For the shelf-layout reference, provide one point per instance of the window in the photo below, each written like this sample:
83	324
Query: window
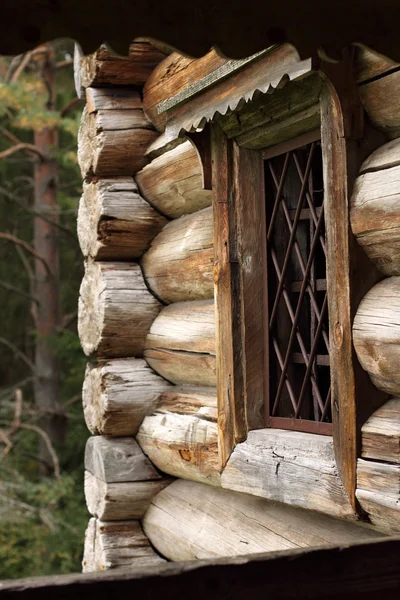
298	387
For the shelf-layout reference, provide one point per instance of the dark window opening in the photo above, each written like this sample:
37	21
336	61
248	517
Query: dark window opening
298	359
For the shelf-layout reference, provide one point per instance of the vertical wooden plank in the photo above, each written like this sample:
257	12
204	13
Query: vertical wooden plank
230	382
248	167
334	149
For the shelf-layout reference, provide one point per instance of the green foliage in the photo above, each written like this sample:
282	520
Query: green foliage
42	519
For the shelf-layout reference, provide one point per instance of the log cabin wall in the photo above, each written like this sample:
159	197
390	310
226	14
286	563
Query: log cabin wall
147	323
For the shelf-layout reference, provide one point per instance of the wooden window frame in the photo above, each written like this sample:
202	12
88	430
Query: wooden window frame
240	274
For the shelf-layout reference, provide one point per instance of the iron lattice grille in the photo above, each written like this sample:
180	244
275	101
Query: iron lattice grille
299	368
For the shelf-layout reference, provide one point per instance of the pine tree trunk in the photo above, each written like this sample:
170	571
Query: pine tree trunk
46	243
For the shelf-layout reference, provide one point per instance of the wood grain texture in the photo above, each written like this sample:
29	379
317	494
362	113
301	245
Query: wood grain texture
172	182
370	64
116	544
289	466
112	143
118	394
103	67
112	99
379	477
189	521
383	511
376	334
172	75
181	437
375	208
179	264
161	145
380	435
181	343
114	221
115	310
380	100
117	460
120	501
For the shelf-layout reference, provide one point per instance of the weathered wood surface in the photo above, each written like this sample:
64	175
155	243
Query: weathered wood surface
379	477
380	100
265	72
120	501
179	264
118	394
117	460
318	573
181	437
116	544
275	118
100	99
188	521
369	64
380	435
112	143
115	310
103	67
375	208
376	334
161	145
383	511
181	343
114	221
174	74
289	466
172	183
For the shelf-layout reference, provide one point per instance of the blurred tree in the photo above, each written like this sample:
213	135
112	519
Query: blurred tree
41	365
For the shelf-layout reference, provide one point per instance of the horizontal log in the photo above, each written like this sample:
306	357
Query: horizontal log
379	477
103	67
120	501
375	208
188	521
380	100
115	310
289	466
116	544
181	437
190	400
118	460
383	511
161	145
376	334
112	99
112	143
172	75
118	394
181	343
114	221
173	182
179	264
369	64
380	435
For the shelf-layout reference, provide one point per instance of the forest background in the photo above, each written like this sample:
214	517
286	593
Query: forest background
42	431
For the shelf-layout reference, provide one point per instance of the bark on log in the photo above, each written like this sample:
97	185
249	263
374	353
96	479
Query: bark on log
118	394
181	343
375	208
380	435
105	68
289	466
118	460
114	222
383	511
115	310
113	143
188	521
179	264
120	501
380	100
376	334
122	544
379	477
175	73
181	438
173	182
